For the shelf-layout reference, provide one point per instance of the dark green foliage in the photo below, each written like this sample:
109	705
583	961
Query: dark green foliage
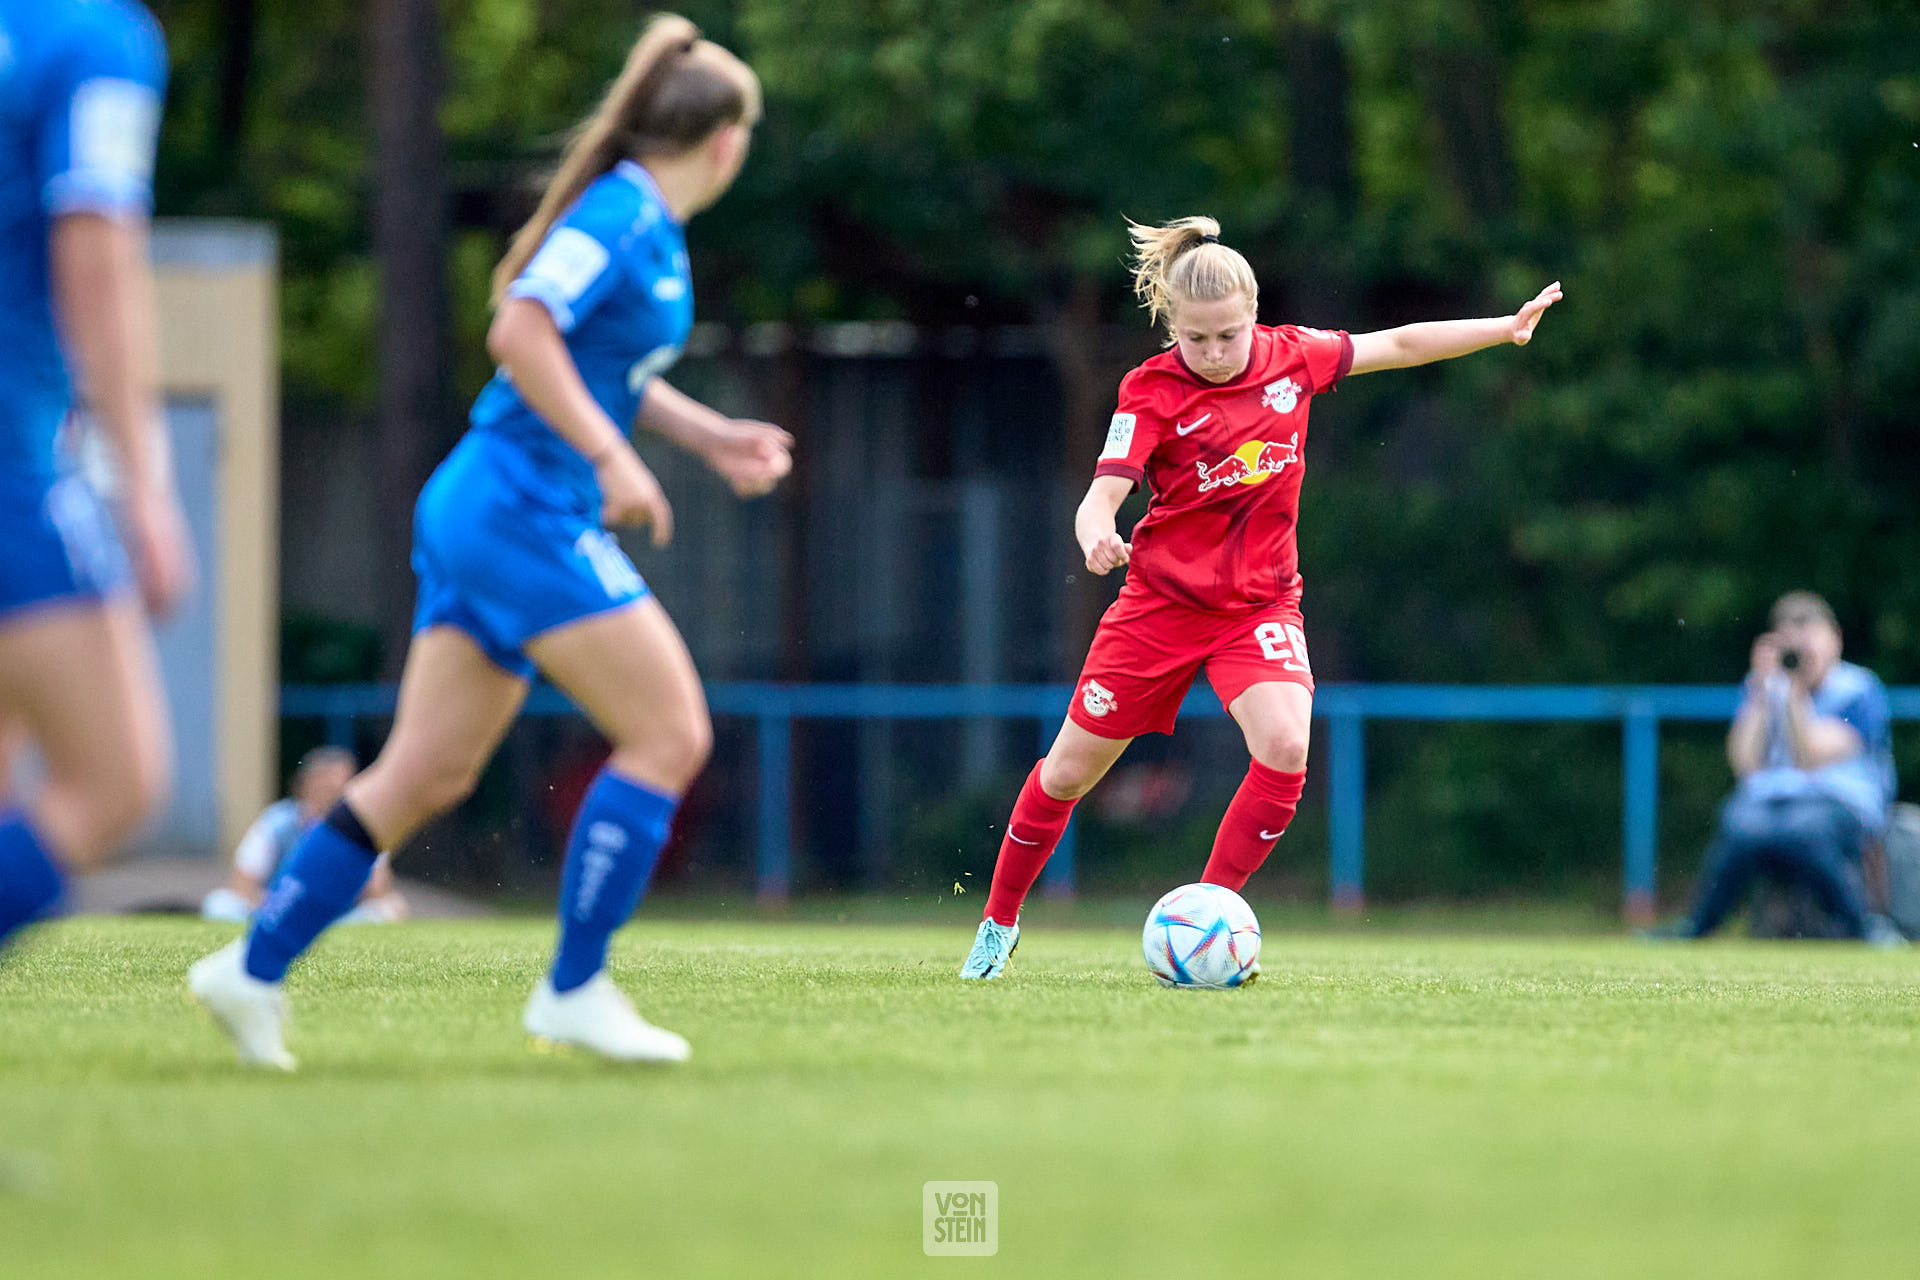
1719	410
327	651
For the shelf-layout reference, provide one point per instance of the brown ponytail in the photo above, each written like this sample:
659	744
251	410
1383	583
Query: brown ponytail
673	93
1184	261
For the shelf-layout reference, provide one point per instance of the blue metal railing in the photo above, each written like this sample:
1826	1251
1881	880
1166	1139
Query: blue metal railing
1640	709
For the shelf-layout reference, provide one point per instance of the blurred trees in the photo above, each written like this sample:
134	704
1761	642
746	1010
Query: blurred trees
1731	194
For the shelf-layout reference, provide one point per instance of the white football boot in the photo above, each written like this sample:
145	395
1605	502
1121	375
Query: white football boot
252	1013
598	1016
993	946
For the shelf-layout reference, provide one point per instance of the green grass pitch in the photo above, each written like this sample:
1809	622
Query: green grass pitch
1377	1105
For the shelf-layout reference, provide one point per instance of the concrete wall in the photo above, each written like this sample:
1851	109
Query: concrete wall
217	285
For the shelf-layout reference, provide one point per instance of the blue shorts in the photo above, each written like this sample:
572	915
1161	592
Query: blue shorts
59	544
503	567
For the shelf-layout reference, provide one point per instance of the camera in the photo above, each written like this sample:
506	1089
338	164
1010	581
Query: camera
1789	659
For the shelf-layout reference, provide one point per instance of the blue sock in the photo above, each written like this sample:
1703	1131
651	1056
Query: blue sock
616	840
320	882
31	881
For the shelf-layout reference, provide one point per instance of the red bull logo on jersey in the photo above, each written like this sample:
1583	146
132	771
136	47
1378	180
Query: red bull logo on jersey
1254	462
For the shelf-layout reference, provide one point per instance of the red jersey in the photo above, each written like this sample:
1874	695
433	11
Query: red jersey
1224	462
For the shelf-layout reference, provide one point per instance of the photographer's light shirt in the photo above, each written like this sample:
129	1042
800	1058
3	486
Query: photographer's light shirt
1865	783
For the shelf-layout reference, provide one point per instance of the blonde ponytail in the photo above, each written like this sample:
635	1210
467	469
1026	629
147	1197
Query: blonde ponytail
673	93
1184	261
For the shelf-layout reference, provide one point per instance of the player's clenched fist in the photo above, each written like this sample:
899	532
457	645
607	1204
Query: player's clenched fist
629	494
1107	553
752	457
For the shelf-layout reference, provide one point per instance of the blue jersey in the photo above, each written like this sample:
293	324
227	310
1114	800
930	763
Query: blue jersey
1866	783
613	272
80	89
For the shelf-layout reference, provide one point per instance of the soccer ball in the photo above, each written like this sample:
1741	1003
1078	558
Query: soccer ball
1202	936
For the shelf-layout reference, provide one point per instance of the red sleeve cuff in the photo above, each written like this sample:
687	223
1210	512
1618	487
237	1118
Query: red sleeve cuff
1115	467
1346	361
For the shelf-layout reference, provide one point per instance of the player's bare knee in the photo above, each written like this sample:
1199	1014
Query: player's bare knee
149	783
121	799
451	786
697	742
671	754
1284	751
430	788
85	825
1065	779
97	809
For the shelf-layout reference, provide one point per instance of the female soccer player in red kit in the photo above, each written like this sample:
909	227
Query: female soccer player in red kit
1217	427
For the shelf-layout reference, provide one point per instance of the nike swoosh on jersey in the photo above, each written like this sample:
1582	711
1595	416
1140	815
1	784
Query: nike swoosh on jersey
1273	835
1191	427
1017	840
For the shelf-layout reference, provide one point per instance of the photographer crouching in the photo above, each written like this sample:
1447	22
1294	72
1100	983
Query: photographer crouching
1811	747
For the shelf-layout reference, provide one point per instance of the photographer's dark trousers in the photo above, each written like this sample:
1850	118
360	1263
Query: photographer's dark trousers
1810	838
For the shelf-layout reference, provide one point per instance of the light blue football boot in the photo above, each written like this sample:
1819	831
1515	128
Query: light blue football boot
992	948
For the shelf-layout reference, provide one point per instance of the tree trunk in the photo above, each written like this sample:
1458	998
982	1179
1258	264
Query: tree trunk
238	19
1086	395
1815	269
1319	93
1461	86
409	238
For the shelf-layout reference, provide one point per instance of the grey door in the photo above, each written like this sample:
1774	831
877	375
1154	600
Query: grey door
188	641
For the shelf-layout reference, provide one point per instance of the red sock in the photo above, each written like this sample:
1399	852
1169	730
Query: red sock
1261	810
1036	826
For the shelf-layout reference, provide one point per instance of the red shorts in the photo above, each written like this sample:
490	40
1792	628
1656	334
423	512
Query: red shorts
1148	650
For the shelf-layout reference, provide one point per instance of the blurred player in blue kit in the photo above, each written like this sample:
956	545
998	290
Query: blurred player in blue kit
517	572
80	93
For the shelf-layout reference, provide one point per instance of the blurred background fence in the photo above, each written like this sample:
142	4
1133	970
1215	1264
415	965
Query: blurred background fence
790	818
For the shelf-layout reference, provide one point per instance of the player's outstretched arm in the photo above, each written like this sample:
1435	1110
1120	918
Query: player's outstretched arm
750	456
1093	525
1415	344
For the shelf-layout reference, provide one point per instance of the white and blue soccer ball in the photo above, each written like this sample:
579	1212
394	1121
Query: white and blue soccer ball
1202	936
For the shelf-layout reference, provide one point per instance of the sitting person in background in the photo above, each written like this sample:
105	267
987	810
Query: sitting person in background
318	781
1812	749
